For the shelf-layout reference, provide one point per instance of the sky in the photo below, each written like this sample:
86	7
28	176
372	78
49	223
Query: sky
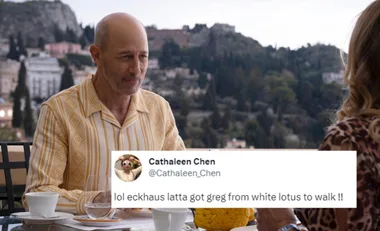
286	23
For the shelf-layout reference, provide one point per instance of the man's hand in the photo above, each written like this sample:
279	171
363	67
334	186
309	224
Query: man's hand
274	219
133	159
103	197
128	210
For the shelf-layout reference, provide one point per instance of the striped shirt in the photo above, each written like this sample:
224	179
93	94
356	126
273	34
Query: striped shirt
76	133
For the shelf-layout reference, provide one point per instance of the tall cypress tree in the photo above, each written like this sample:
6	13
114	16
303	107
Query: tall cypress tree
28	115
59	35
13	53
22	75
21	45
70	36
226	119
83	41
67	79
17	119
209	102
41	43
17	115
22	112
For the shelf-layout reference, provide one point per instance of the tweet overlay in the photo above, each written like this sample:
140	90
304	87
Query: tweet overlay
233	179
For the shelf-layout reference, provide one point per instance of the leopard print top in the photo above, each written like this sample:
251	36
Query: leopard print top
366	217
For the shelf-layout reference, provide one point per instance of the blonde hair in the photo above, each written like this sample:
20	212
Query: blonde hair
362	75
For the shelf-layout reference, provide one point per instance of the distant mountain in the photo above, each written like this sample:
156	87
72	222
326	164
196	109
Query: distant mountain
218	39
36	19
54	20
222	39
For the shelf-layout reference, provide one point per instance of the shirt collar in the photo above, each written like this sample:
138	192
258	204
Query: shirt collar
92	104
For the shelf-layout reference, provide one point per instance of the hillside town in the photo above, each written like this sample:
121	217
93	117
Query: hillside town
226	90
44	72
44	75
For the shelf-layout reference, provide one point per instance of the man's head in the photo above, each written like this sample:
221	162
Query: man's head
120	52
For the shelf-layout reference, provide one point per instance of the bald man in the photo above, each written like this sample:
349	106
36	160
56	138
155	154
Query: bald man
79	127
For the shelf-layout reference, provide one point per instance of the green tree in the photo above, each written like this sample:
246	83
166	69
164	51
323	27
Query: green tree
70	36
83	41
256	86
89	33
331	95
28	118
279	134
289	78
323	120
305	96
181	122
210	136
170	55
8	134
41	43
184	104
266	121
273	79
226	120
22	110
241	100
282	98
202	80
254	135
79	60
20	45
209	101
59	35
29	41
17	115
215	119
17	119
13	53
212	43
67	79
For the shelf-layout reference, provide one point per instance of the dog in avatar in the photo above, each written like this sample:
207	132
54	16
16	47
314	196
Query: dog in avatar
131	168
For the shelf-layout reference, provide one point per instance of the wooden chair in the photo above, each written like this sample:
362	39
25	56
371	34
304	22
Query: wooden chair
10	192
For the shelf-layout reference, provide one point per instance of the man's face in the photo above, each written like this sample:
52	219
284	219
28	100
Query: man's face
124	61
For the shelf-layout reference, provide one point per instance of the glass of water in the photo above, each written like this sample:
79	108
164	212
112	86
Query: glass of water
100	206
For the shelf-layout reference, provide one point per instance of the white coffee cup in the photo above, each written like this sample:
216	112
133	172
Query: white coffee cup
42	204
169	219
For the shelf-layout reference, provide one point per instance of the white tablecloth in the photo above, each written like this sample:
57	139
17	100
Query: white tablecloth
134	222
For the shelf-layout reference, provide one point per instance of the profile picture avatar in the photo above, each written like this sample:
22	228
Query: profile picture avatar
128	167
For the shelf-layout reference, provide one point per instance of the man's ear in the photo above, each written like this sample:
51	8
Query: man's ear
95	53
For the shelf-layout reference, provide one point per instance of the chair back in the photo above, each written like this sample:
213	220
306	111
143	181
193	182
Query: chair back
15	181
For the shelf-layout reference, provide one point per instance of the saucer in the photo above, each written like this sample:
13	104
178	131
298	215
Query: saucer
87	221
246	228
25	216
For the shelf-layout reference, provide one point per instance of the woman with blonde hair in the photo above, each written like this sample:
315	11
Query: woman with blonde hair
356	128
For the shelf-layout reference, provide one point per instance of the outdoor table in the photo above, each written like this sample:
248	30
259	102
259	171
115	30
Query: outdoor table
11	224
136	222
